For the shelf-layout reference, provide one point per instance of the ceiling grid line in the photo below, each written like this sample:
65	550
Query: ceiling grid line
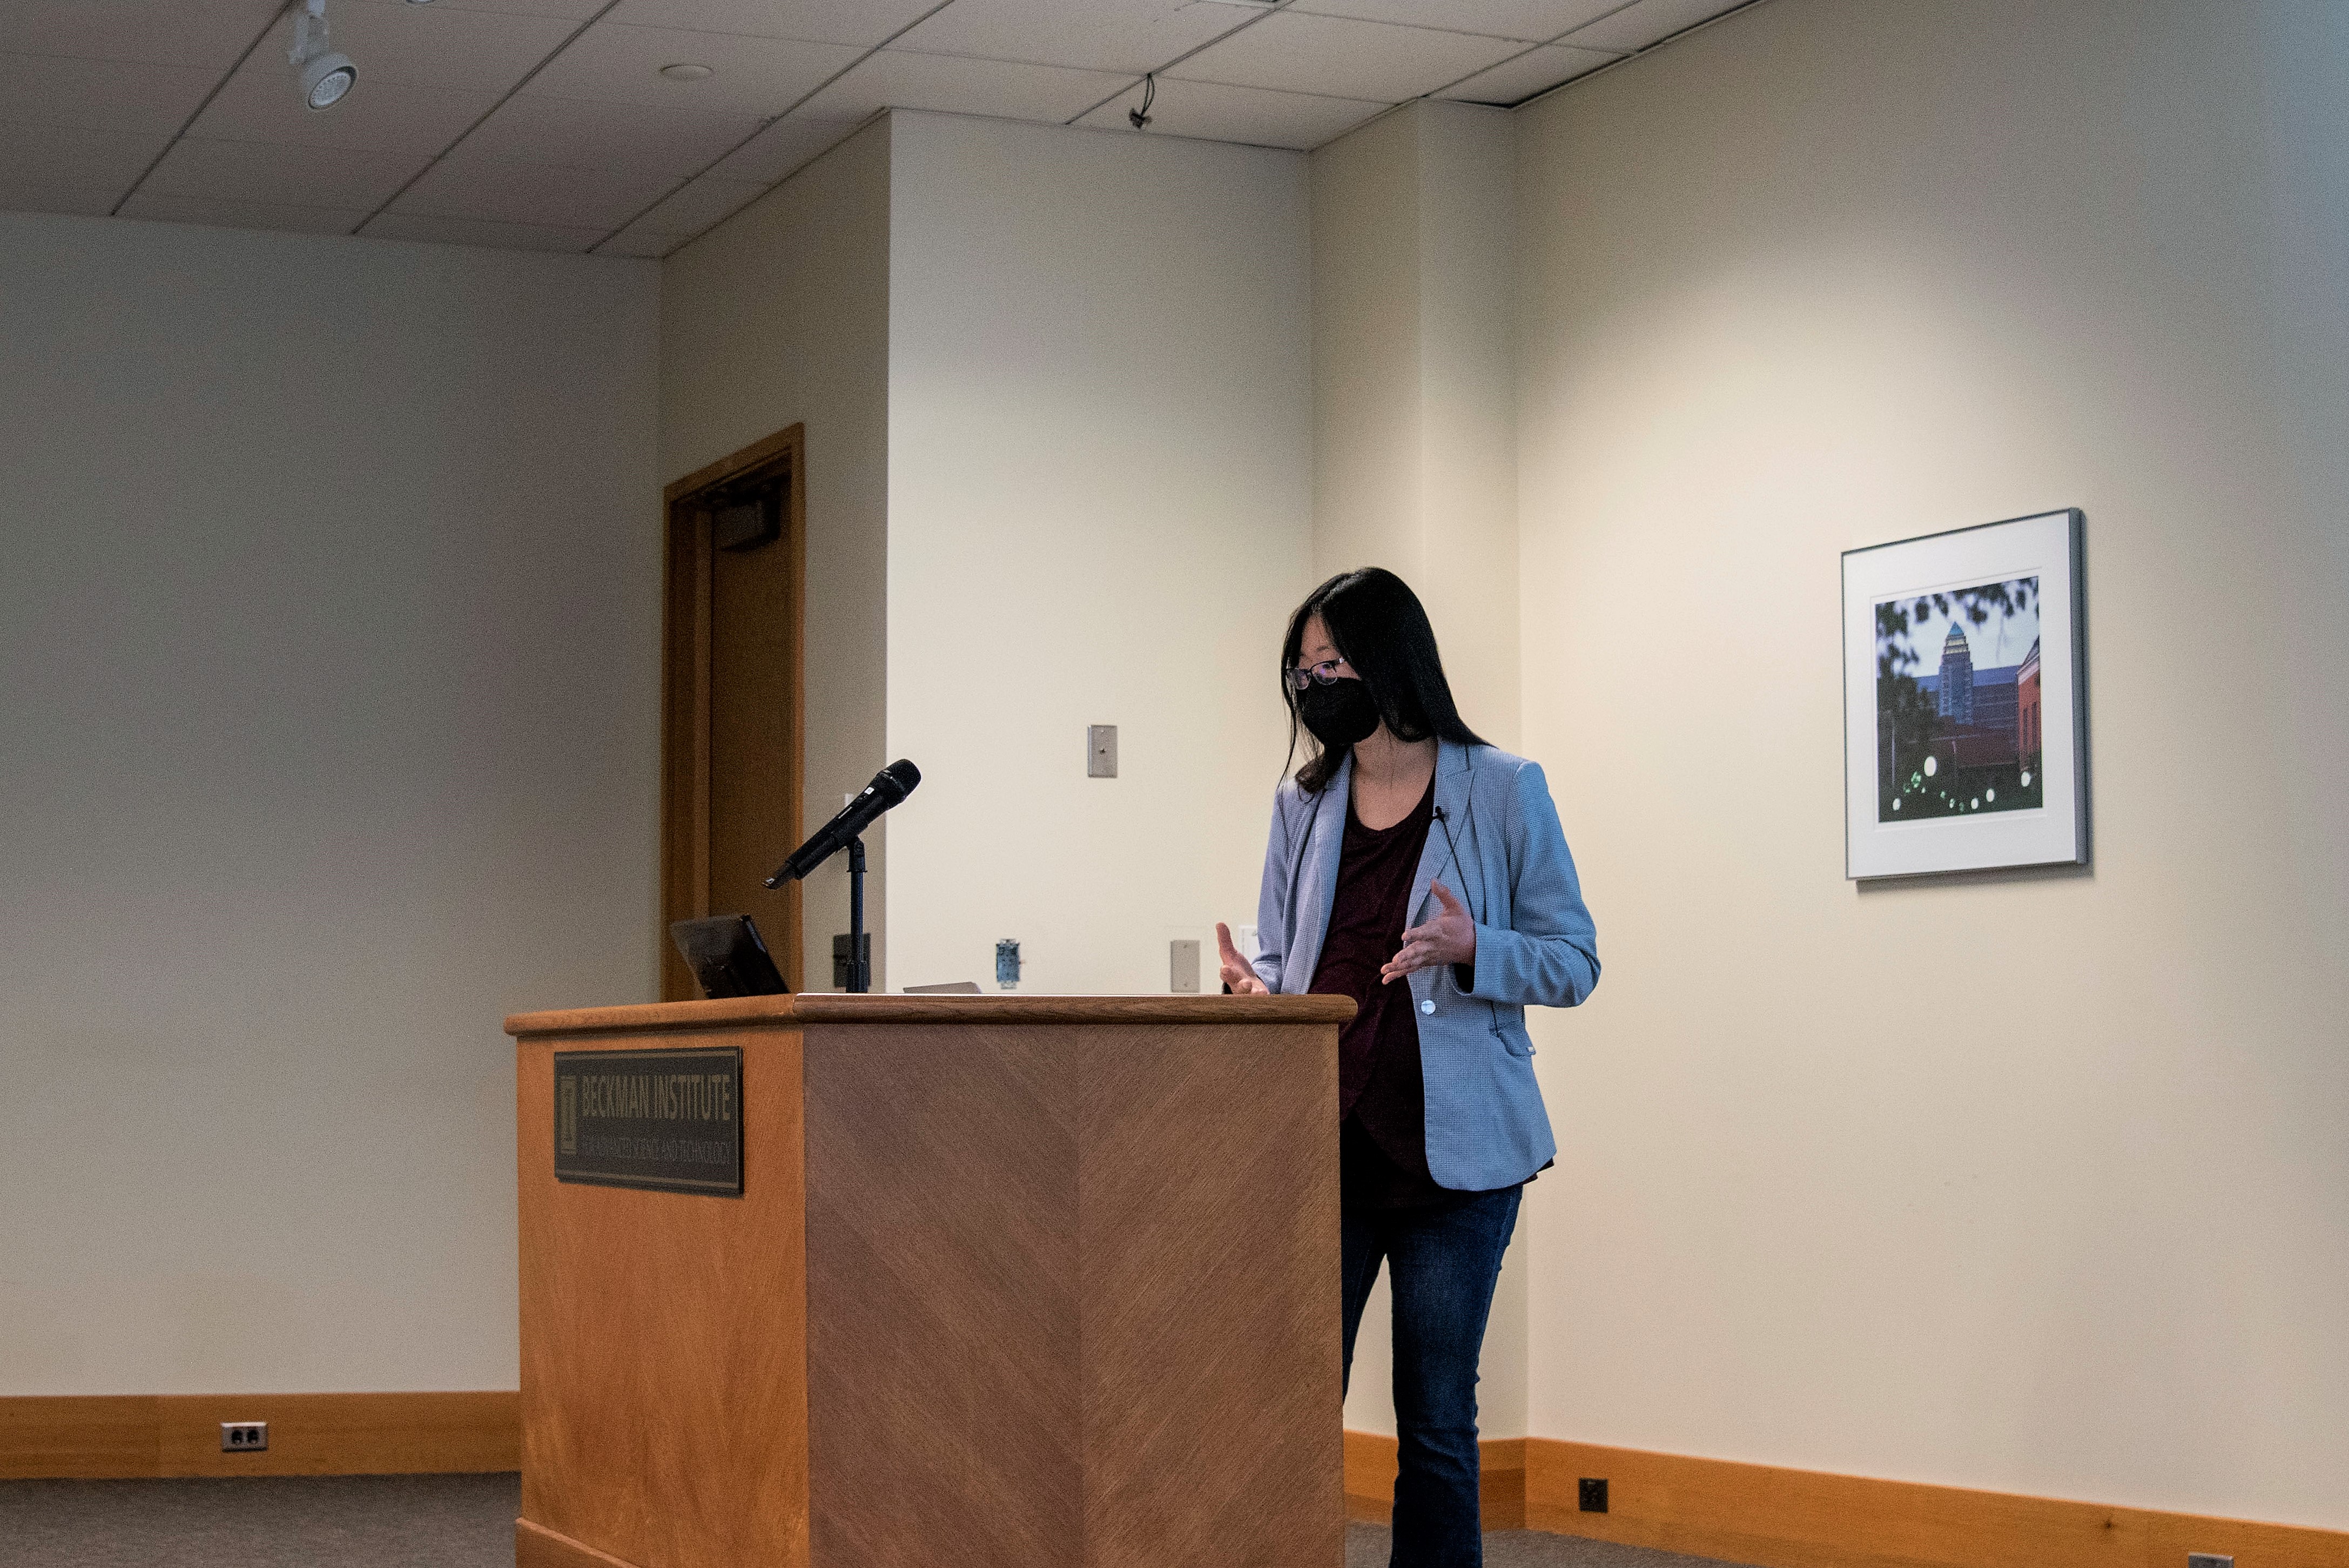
785	113
193	115
1530	46
1170	65
459	140
1696	27
1540	44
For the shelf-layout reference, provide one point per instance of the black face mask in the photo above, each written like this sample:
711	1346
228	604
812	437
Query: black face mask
1340	714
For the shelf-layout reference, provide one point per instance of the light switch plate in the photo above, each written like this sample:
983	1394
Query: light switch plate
1101	752
1182	966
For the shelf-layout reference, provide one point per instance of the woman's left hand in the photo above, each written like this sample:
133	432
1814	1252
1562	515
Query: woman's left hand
1449	938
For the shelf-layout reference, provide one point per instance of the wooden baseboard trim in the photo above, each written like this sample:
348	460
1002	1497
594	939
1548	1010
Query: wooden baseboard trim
1778	1518
536	1546
102	1436
1761	1514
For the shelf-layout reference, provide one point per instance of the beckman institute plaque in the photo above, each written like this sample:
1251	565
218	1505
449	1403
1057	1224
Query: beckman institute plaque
669	1120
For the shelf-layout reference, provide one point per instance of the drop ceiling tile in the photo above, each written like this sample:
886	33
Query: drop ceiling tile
574	10
703	204
861	22
210	36
288	176
31	196
612	64
434	46
1128	36
101	94
635	239
225	213
1213	112
480	232
1536	70
1647	22
1531	21
537	129
60	155
467	185
261	103
784	147
1341	57
950	84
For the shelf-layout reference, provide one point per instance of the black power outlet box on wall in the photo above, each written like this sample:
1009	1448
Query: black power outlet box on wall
1594	1494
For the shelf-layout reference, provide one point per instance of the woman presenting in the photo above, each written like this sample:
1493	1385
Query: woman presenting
1425	874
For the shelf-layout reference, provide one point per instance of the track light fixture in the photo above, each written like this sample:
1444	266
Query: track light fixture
324	75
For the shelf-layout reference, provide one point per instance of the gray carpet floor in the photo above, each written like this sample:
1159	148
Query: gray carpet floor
435	1522
1367	1546
274	1522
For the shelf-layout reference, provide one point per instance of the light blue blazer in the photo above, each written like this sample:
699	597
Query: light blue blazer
1497	846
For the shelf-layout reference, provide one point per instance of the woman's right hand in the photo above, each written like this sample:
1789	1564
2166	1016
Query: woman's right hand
1239	975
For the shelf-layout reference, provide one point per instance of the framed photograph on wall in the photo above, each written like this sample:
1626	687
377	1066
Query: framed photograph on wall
1965	714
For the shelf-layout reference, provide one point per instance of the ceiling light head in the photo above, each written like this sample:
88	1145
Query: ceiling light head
326	79
325	76
687	71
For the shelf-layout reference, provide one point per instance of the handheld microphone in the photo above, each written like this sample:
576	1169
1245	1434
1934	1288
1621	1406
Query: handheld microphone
889	787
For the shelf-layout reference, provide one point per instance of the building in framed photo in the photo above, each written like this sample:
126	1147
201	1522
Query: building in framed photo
1948	723
1947	698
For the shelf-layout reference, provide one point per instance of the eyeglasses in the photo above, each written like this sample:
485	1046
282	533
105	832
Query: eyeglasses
1323	673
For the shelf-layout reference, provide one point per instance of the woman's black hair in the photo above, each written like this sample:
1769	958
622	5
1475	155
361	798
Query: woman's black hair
1380	628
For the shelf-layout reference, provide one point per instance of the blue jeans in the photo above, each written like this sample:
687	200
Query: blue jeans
1442	1264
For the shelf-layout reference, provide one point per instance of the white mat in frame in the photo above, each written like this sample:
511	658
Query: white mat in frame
1899	819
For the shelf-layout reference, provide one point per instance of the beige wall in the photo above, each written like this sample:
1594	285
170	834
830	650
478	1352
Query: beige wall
780	317
1366	350
1055	385
1415	469
1413	380
1100	471
2030	1182
328	632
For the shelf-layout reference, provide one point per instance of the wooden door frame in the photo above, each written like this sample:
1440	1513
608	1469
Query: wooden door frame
687	568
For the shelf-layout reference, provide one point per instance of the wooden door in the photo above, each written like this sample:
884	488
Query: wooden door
731	705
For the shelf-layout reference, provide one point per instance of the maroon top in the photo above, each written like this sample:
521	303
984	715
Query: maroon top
1382	1139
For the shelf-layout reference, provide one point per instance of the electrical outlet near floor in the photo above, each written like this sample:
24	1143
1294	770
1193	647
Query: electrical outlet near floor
1594	1494
243	1436
2208	1559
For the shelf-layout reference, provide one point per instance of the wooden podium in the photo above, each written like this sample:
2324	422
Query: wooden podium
1012	1282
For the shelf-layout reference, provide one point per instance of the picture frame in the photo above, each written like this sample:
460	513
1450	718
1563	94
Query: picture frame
1965	700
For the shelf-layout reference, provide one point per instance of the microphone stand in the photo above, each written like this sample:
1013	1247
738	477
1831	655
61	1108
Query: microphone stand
860	969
